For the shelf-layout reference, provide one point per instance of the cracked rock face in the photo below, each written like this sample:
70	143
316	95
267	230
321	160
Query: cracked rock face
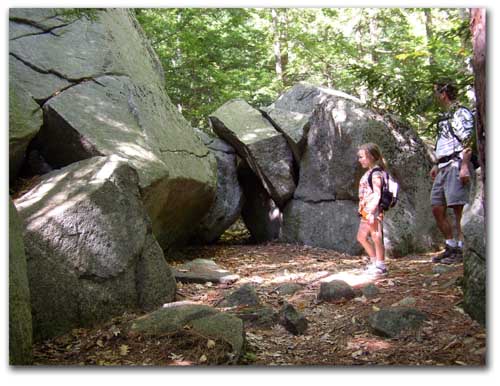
99	85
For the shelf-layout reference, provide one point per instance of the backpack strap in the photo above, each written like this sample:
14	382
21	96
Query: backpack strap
377	169
455	109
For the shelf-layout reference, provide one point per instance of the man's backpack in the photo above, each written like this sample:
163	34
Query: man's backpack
474	158
390	189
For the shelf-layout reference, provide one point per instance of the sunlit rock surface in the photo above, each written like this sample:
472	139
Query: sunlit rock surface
91	254
100	86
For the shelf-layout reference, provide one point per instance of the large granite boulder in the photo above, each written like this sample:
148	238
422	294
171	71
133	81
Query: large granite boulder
474	230
259	144
323	211
91	253
100	86
229	196
20	331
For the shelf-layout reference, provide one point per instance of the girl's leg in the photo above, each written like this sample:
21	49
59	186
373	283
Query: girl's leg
377	235
363	232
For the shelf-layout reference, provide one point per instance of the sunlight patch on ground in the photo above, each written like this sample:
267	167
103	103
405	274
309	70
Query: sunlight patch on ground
368	344
353	278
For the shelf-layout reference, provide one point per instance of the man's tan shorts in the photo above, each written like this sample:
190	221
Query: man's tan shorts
447	189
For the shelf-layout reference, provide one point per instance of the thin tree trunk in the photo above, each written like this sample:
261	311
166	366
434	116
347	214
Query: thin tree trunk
284	45
429	31
478	30
277	44
374	33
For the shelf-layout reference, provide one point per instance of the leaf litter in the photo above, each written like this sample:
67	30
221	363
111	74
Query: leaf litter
338	334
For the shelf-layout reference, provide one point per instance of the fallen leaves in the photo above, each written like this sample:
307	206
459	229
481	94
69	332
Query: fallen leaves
124	350
338	334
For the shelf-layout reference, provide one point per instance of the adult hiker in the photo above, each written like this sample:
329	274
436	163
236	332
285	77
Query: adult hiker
451	174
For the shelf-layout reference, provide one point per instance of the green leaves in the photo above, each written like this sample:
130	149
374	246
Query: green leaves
388	56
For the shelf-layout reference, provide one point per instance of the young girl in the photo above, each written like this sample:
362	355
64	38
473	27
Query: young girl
369	156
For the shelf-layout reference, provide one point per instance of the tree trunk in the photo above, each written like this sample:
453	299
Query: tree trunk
430	34
478	30
284	45
277	44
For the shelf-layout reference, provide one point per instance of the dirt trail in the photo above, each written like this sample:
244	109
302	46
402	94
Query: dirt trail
338	334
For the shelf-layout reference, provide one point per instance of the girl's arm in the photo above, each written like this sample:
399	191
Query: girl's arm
374	199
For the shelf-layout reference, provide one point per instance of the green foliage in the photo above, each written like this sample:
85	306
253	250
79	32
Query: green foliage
389	57
210	56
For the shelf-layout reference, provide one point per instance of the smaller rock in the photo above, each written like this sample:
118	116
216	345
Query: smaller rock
243	296
200	319
336	291
370	291
260	316
288	288
292	320
441	268
408	301
392	322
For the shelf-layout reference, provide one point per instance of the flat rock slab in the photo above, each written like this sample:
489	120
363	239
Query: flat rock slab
202	271
200	319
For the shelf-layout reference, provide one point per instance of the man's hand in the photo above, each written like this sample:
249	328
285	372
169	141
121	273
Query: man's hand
464	173
466	155
434	172
464	167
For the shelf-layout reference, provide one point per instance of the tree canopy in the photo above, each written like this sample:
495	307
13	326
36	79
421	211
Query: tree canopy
388	57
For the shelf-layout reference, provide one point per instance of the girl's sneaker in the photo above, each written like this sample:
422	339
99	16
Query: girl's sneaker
377	270
369	267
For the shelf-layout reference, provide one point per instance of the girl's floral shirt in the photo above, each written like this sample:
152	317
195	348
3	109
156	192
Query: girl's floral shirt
368	198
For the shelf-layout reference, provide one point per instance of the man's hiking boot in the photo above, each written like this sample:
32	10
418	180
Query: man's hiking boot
448	252
456	258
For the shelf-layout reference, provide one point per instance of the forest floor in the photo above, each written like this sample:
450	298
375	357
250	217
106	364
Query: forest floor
337	334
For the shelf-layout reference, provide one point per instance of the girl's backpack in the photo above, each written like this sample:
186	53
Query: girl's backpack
390	189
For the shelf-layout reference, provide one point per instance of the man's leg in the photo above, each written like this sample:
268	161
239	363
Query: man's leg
458	210
457	255
443	223
457	195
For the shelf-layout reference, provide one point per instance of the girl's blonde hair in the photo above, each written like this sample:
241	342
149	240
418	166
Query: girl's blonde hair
375	153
